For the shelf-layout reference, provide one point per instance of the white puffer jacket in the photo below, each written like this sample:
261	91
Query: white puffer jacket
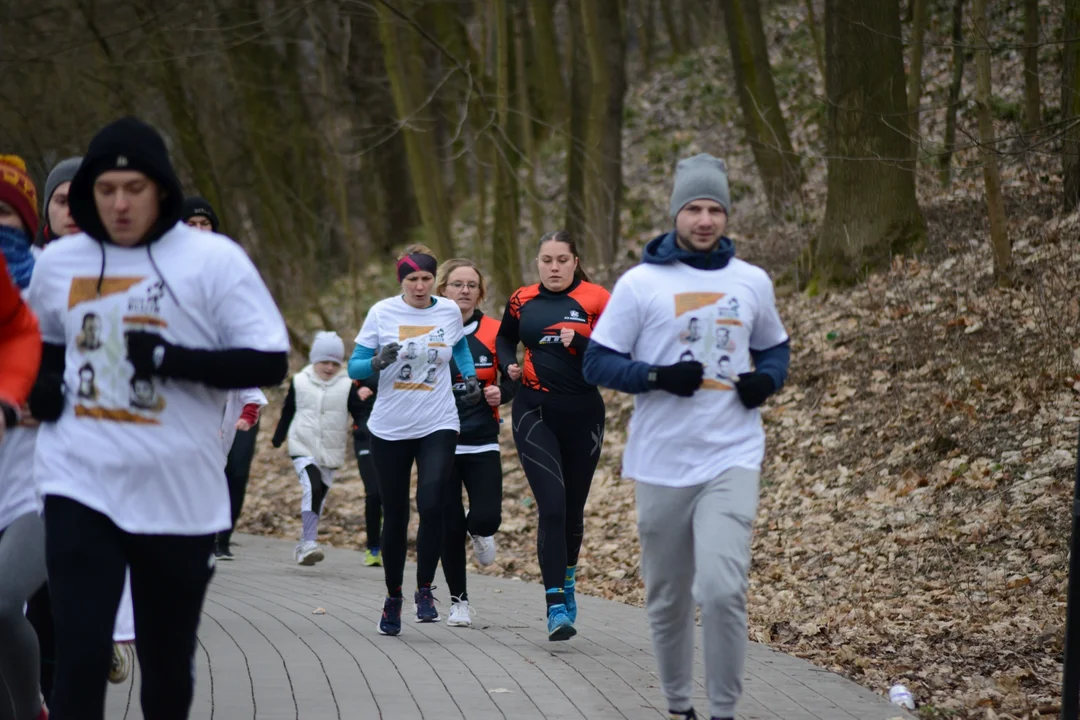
321	424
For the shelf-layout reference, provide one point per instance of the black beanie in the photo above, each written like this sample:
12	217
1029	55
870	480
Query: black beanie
196	205
126	144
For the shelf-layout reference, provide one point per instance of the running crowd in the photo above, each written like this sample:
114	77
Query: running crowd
134	338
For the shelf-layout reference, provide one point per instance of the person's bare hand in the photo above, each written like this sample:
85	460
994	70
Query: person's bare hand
493	395
567	336
243	425
514	372
364	392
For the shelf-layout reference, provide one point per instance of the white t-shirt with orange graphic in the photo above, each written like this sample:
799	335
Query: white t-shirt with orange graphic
145	451
663	314
415	395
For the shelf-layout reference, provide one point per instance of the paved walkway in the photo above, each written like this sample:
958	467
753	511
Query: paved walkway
264	654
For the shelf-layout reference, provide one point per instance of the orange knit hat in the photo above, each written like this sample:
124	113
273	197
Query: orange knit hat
18	191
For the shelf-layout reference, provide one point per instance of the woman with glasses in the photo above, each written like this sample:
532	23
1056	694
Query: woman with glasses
477	463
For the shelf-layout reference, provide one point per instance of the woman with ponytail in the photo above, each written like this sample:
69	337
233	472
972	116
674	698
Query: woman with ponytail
410	339
558	417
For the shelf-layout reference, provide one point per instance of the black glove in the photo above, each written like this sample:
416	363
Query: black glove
387	356
47	397
682	378
473	392
147	353
754	388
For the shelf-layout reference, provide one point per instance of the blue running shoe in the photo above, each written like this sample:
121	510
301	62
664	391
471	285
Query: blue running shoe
571	603
560	626
425	605
390	622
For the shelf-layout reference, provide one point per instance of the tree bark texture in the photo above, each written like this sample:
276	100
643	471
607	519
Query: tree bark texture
871	213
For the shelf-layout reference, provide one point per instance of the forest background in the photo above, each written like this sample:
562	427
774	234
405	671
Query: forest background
907	170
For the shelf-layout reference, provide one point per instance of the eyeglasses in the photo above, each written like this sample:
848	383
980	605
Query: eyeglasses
460	285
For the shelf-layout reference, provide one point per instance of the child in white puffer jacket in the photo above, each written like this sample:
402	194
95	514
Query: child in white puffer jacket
316	422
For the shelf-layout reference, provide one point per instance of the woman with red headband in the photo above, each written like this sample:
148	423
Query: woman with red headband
411	338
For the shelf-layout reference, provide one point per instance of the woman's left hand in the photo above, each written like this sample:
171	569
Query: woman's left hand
493	395
567	336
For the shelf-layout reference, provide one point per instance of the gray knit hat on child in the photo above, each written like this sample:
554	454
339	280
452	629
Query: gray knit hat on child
62	173
327	347
702	177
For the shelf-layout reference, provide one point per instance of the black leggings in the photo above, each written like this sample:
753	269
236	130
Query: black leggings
558	440
86	555
393	459
481	475
237	472
39	613
372	498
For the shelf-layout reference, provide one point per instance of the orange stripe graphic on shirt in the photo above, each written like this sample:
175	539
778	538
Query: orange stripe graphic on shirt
412	386
685	302
728	321
113	414
84	289
411	331
145	320
710	384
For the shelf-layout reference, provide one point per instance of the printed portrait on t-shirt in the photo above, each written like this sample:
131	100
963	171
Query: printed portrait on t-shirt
143	395
710	332
430	377
87	390
723	339
723	368
433	356
693	331
411	351
89	337
405	373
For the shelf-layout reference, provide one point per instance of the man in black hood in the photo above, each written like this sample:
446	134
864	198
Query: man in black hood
131	473
199	214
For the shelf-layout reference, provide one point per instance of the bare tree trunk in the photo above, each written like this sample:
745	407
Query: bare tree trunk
646	30
871	212
815	35
667	12
580	79
404	66
762	117
547	60
915	78
1032	96
999	236
505	254
525	118
603	22
945	161
1070	105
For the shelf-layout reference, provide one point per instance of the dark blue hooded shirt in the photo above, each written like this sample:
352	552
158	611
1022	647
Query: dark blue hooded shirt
607	368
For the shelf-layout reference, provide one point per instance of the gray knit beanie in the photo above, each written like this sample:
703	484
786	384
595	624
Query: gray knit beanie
702	177
327	347
62	173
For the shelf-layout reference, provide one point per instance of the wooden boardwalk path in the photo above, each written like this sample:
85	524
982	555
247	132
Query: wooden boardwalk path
263	654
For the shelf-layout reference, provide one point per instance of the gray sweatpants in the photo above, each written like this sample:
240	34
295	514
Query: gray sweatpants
22	567
695	549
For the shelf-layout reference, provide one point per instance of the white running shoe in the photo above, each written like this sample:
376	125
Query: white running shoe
460	613
484	549
308	552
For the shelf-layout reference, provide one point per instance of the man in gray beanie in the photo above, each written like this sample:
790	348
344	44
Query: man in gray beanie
58	220
696	440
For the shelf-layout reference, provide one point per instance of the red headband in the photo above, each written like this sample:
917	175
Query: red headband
416	262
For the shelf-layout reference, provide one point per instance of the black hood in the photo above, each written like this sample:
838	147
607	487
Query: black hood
196	205
126	144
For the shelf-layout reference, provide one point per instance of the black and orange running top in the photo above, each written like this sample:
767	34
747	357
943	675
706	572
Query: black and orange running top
535	317
480	422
